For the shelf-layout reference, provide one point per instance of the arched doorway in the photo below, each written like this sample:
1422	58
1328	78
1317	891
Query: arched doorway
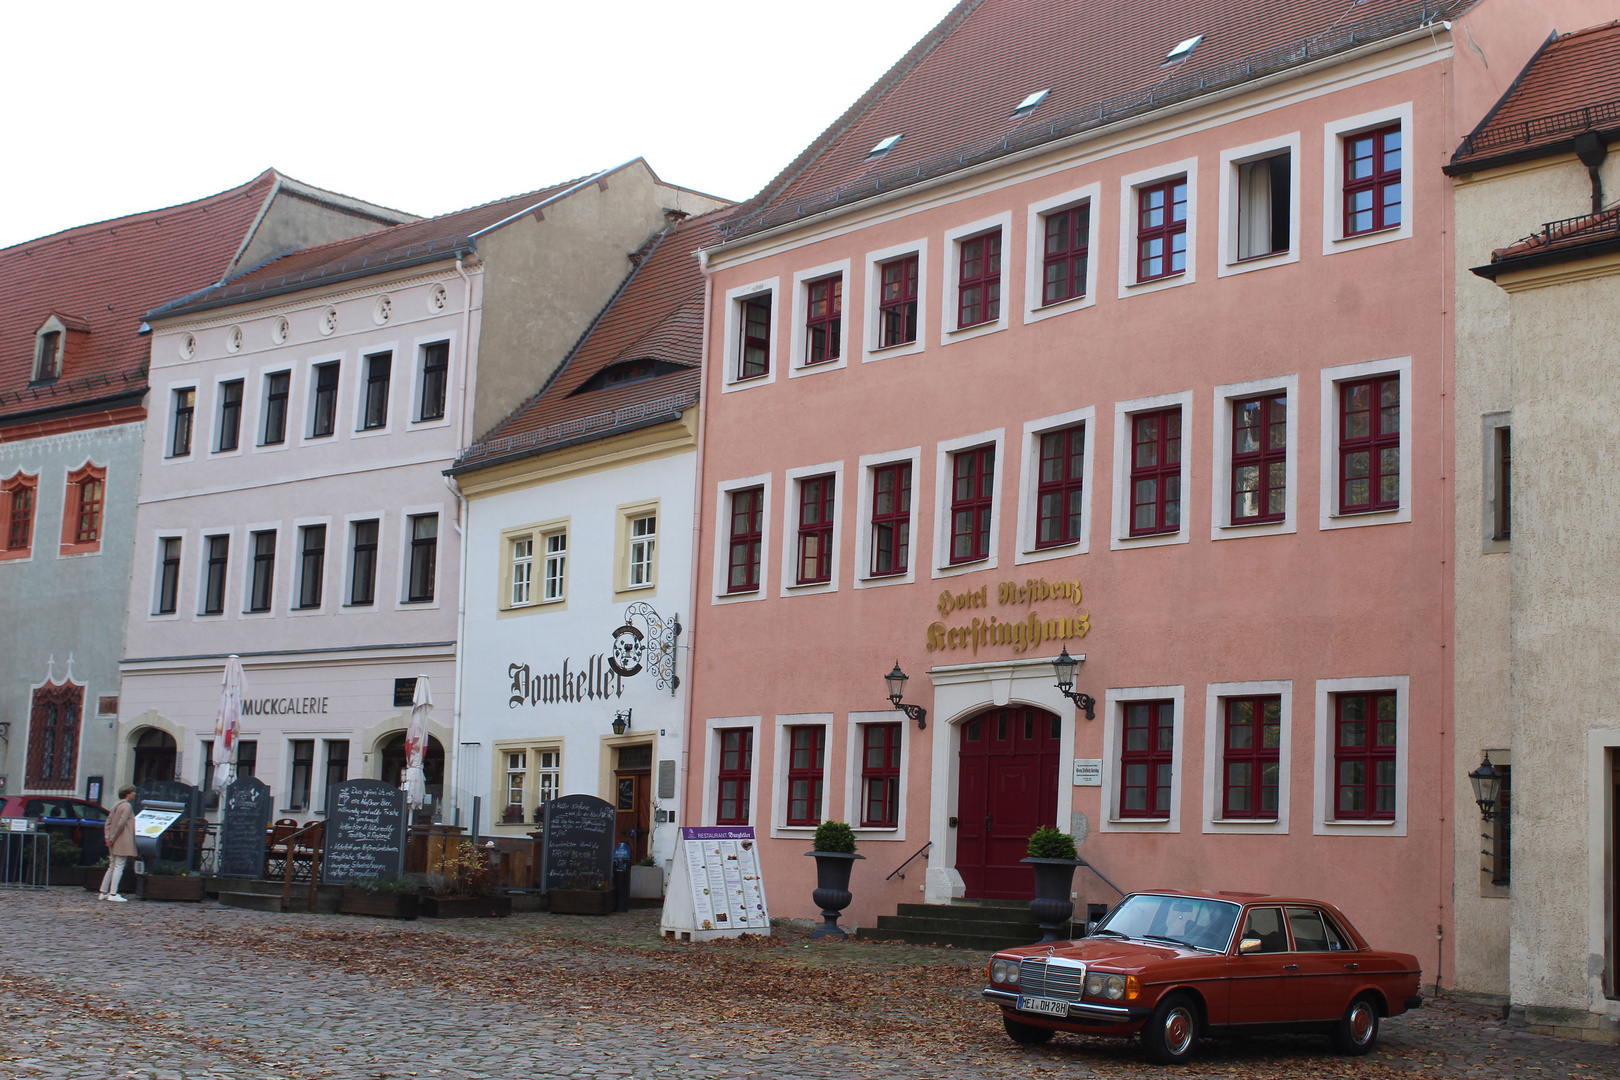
154	757
1007	788
393	766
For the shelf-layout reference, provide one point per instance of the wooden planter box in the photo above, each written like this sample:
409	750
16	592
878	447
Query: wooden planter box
381	905
466	907
87	876
184	889
94	874
581	901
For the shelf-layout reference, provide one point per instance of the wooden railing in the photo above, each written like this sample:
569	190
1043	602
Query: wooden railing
317	833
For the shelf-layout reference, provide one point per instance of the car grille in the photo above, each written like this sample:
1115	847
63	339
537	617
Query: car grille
1052	977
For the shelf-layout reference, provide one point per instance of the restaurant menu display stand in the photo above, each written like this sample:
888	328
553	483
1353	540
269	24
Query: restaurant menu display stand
716	889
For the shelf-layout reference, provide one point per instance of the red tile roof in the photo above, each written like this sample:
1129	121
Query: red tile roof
1572	85
103	278
1556	238
952	96
657	314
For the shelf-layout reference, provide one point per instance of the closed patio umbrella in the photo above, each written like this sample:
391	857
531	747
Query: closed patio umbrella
228	721
416	743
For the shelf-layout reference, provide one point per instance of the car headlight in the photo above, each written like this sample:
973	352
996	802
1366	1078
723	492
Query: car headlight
1004	972
1111	987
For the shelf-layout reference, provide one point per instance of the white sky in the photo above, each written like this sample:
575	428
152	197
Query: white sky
425	107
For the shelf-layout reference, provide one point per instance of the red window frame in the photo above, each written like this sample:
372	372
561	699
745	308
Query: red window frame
1372	189
978	280
1058	491
17	503
1063	268
806	777
891	519
55	715
1250	766
1161	230
1156	472
735	776
747	532
973	480
1146	759
1365	737
754	333
824	320
1370	445
897	302
816	494
1259	459
880	776
82	510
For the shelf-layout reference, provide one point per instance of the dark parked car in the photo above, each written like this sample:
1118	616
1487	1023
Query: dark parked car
77	819
1176	966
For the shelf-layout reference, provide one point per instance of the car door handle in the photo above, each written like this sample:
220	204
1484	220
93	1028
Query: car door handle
1352	967
1290	967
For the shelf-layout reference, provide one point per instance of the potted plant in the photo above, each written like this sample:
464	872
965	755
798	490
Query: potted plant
382	897
65	868
170	881
1053	857
584	894
512	815
463	887
835	857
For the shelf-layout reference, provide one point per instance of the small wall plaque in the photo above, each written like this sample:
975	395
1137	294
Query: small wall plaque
1088	772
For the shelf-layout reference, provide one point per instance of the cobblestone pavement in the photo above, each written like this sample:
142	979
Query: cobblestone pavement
177	992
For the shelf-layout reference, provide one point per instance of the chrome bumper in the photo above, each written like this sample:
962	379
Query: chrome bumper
1089	1013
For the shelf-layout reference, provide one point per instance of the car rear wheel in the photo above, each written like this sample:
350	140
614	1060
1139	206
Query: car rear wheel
1026	1034
1357	1030
1172	1031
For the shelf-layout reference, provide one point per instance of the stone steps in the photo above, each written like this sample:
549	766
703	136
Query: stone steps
980	925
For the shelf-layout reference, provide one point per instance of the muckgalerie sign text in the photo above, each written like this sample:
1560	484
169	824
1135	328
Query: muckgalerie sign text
1024	632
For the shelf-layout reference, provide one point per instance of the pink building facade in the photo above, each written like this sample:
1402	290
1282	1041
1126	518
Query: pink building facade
1163	384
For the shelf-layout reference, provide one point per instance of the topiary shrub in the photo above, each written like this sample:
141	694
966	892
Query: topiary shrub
836	837
1047	842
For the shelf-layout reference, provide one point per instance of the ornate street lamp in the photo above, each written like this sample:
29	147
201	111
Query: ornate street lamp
621	721
897	690
1065	666
1487	785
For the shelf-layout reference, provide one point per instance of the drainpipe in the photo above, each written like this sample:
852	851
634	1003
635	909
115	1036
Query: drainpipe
460	523
1591	149
693	585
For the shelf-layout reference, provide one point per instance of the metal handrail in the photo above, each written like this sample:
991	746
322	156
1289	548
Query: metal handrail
1099	873
314	866
1523	132
907	863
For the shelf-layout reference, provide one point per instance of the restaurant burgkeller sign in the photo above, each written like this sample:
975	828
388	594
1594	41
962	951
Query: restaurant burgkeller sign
1023	631
644	643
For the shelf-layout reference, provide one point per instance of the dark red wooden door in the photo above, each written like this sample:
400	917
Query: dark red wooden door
1008	788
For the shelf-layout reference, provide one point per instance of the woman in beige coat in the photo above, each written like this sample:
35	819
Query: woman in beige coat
120	833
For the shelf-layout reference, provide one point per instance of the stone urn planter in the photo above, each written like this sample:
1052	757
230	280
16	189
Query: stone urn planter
380	904
581	901
187	889
1052	906
466	907
832	893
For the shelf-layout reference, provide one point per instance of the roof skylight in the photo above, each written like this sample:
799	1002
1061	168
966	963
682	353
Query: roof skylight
1184	50
884	146
1029	104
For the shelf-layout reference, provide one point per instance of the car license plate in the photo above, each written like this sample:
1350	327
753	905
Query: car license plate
1049	1006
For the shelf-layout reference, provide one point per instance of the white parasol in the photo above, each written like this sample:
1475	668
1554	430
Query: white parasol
416	743
228	721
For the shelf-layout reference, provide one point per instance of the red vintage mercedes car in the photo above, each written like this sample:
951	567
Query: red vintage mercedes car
1177	966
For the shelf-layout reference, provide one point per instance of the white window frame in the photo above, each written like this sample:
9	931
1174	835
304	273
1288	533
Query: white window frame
944	472
418	370
1221	526
1322	801
624	541
527	562
722	539
874	299
277	578
949	334
172	415
1113	715
1029	486
1231	201
363	377
732	344
1334	133
1490	424
521	771
855	740
218	410
51	325
863	578
1128	186
297	576
1215	755
1332	377
560	558
1120	536
152	613
233	552
403	547
711	767
294	410
1035	254
344	607
798	351
307	424
782	758
647	542
538	771
790	528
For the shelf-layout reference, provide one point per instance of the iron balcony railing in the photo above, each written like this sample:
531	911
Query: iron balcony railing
1525	132
596	423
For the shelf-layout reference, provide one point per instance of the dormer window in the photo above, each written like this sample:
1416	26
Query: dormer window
883	146
1030	103
48	356
625	372
1182	50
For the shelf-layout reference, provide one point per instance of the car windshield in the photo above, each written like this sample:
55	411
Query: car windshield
1186	920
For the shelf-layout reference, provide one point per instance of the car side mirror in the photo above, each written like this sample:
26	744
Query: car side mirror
1249	945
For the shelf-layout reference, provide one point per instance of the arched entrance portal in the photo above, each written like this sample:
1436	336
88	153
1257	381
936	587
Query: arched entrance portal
1008	788
393	766
154	758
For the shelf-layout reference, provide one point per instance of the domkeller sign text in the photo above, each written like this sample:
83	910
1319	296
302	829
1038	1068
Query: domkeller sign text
596	679
1024	633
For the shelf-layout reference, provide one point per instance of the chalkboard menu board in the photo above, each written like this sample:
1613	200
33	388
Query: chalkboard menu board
243	821
365	831
578	832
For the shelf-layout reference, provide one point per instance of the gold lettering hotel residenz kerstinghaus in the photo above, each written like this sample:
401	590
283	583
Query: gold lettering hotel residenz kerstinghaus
1023	634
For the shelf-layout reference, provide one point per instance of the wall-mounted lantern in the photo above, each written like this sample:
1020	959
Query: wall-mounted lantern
897	690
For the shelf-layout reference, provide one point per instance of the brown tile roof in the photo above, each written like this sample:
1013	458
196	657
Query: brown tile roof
103	278
1572	85
656	314
1556	239
952	96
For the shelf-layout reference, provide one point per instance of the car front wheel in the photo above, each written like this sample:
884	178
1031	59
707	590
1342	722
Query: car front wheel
1025	1034
1357	1030
1172	1030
